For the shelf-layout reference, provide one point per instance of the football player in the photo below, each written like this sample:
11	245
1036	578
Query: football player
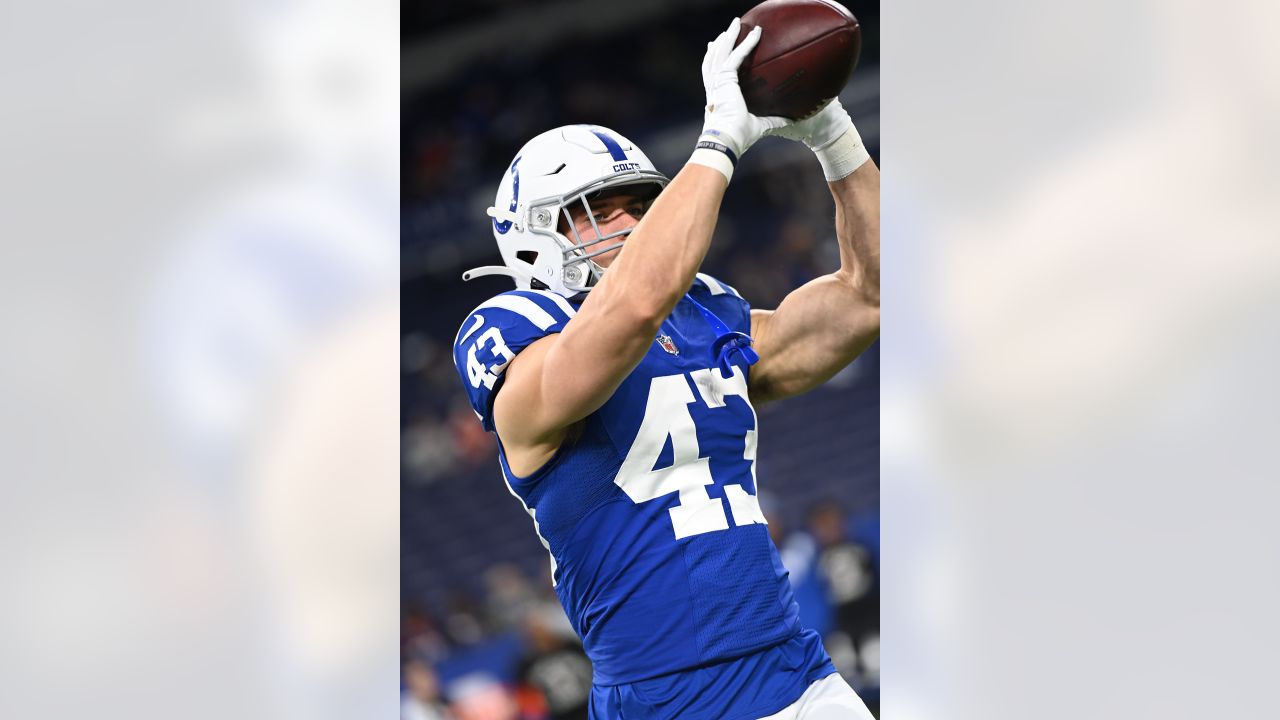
620	383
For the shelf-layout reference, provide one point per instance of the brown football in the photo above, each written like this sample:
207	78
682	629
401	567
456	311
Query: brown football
807	51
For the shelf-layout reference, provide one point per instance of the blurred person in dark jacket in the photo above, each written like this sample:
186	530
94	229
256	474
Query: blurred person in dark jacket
848	571
555	666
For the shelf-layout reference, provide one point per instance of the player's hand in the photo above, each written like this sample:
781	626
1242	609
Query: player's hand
831	136
820	130
726	114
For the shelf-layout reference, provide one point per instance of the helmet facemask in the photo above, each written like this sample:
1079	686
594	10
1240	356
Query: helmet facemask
580	272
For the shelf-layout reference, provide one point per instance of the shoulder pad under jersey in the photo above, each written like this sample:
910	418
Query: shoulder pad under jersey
495	332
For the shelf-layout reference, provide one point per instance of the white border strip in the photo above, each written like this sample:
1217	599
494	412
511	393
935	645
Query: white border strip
524	307
559	301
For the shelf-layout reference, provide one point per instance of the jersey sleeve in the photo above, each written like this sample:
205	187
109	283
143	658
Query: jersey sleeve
724	301
494	333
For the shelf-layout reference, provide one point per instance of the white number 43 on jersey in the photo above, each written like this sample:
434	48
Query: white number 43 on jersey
666	414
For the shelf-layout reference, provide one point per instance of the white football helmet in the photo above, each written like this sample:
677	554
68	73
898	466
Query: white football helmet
551	172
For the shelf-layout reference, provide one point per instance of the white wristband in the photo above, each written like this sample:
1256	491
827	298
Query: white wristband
713	159
842	156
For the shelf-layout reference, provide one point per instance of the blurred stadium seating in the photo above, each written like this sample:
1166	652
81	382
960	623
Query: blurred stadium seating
472	569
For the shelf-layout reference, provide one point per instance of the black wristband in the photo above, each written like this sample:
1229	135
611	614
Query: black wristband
720	147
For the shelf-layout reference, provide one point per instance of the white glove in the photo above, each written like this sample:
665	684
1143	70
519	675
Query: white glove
728	128
830	134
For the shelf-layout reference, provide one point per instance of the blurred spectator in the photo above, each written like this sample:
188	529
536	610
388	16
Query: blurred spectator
463	625
472	444
854	591
481	696
419	637
421	699
427	450
799	555
555	666
509	598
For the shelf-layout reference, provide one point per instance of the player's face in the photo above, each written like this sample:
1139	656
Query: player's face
612	213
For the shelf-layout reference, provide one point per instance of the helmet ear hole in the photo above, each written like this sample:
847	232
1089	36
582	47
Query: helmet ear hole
529	256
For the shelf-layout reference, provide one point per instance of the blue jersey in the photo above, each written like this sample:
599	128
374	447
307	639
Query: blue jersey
659	551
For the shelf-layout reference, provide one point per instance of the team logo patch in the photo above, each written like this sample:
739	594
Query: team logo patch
668	345
505	225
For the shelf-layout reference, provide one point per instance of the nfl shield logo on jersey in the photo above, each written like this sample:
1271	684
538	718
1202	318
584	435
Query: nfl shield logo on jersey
665	342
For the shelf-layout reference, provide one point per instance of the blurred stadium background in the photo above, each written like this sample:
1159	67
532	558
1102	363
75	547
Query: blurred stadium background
482	635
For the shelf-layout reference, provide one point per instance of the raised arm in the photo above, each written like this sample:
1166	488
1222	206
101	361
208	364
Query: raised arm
562	378
824	324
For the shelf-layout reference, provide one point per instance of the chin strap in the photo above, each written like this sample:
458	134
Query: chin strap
728	343
502	215
474	273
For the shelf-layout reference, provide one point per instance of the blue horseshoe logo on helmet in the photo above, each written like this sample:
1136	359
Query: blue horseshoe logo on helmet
504	226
